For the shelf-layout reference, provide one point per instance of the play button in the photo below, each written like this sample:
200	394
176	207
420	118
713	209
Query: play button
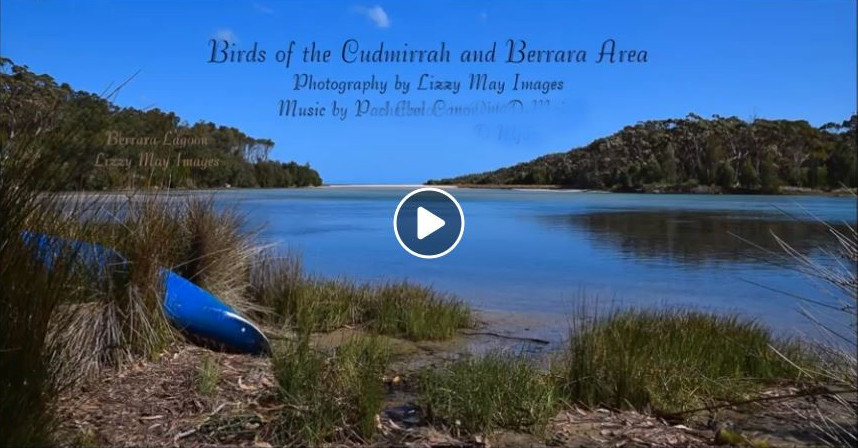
428	223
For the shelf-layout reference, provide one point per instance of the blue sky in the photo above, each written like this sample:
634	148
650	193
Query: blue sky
771	59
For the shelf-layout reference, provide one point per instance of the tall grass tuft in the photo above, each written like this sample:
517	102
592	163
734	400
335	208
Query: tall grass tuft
272	280
315	304
329	397
414	312
210	246
208	375
834	269
481	394
30	307
121	314
670	360
31	294
217	249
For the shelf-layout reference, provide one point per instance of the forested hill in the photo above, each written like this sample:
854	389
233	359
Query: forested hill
94	144
685	154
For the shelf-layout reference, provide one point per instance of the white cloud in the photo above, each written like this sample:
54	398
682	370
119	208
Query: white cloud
376	14
262	8
225	34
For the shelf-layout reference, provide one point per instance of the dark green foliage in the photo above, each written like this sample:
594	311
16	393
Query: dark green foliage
769	180
841	163
677	153
230	157
278	174
725	176
748	177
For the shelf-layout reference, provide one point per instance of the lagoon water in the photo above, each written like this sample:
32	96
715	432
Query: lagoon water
541	252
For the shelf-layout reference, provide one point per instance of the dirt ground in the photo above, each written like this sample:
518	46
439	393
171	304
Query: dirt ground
157	404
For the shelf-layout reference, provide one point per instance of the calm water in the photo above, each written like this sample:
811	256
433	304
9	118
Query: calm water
540	252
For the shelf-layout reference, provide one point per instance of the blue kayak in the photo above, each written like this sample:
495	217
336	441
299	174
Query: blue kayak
196	312
206	319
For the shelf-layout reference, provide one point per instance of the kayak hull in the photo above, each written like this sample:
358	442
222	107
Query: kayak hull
197	313
207	320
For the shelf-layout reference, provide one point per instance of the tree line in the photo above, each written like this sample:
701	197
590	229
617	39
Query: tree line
74	126
725	153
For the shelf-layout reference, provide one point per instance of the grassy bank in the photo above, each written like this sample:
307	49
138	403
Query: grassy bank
670	361
314	304
650	361
71	323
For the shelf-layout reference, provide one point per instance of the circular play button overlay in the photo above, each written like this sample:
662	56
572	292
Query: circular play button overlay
428	223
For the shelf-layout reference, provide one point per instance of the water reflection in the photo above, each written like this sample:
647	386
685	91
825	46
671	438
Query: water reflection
693	237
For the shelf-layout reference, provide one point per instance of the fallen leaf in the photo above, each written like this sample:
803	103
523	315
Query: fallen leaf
242	386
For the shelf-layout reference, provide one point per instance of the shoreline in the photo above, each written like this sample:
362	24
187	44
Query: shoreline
711	191
702	191
420	355
244	390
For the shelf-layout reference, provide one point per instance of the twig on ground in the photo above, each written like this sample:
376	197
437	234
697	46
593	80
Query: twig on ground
504	336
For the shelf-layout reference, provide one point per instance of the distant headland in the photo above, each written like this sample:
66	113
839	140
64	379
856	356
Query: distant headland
695	155
101	146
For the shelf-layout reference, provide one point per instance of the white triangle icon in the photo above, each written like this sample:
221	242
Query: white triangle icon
427	223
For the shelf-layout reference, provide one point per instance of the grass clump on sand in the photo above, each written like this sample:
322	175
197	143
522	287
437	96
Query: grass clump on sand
329	397
401	309
671	360
414	312
488	392
302	302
